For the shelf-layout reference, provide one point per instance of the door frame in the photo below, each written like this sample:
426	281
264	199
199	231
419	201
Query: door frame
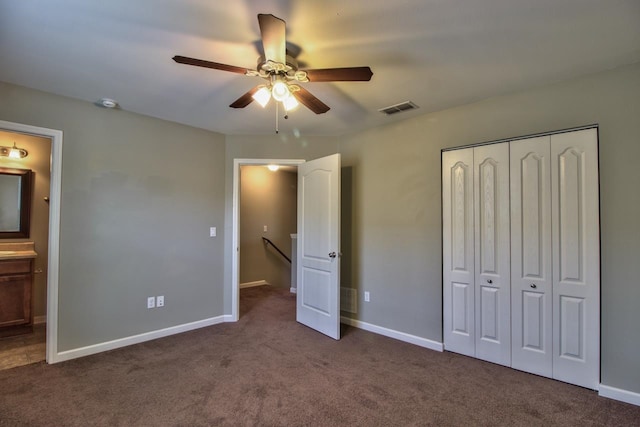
55	190
235	226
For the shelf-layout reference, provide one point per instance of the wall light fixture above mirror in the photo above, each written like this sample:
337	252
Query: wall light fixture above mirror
13	152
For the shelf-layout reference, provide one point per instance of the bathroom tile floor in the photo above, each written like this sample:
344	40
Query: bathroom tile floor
23	349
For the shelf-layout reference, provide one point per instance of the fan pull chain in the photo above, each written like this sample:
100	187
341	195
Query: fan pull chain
277	117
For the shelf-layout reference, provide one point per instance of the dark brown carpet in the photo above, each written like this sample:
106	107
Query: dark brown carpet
268	370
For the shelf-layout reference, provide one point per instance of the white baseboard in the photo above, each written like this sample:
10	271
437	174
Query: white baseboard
619	394
38	320
412	339
293	290
135	339
253	284
229	318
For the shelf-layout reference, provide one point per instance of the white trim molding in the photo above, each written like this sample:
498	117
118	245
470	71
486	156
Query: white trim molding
136	339
619	394
293	290
391	333
253	284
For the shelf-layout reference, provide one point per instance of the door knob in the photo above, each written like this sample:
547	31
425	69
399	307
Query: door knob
533	286
332	255
489	281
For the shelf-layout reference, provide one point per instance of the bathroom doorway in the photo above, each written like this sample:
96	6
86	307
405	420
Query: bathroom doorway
27	345
46	197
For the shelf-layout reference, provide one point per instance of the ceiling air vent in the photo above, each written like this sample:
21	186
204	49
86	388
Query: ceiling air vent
399	108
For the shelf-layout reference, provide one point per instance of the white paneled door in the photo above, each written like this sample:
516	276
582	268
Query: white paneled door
531	286
458	251
576	257
318	296
492	277
521	254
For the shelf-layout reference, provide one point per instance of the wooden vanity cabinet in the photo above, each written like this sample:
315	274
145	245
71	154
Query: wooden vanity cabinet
16	278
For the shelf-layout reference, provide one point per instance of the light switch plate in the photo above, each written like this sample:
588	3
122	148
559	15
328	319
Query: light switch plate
212	232
151	302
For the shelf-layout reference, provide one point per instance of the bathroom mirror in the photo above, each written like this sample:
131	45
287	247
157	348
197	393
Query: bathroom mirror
15	202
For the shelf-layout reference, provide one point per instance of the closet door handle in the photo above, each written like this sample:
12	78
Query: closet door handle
489	281
533	286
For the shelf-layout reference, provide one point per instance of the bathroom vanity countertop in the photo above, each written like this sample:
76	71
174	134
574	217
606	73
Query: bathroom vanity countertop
17	250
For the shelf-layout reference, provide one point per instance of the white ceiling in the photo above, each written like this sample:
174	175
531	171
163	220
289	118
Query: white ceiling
436	53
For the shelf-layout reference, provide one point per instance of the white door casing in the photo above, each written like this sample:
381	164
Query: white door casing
531	284
318	296
576	257
458	251
492	266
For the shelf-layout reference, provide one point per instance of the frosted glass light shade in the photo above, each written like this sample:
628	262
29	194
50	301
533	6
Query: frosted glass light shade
262	96
14	153
280	91
290	103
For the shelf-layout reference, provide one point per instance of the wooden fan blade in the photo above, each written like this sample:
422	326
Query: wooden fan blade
311	102
350	74
273	31
208	64
245	99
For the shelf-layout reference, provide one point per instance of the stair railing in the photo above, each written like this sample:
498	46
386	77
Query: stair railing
269	242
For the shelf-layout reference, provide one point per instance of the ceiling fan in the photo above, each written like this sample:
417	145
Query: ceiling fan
281	72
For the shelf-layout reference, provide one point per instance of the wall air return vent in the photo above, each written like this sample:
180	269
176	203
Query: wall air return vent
349	300
399	108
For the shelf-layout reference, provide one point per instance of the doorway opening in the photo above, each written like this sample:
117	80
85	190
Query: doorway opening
49	241
258	229
23	291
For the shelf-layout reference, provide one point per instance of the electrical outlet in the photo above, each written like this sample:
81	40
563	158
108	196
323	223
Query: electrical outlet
264	228
151	302
367	297
160	301
212	232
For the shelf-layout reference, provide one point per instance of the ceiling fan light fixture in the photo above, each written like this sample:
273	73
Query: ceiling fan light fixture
290	103
280	91
262	96
278	66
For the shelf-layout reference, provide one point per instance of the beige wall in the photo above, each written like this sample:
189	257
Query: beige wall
397	204
135	217
267	198
39	161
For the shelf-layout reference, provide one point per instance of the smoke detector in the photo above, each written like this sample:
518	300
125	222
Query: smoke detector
108	103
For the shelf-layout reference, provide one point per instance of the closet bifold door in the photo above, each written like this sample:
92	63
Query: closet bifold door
457	251
531	284
576	257
492	269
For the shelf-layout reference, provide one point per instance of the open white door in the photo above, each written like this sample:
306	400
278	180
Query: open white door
318	296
